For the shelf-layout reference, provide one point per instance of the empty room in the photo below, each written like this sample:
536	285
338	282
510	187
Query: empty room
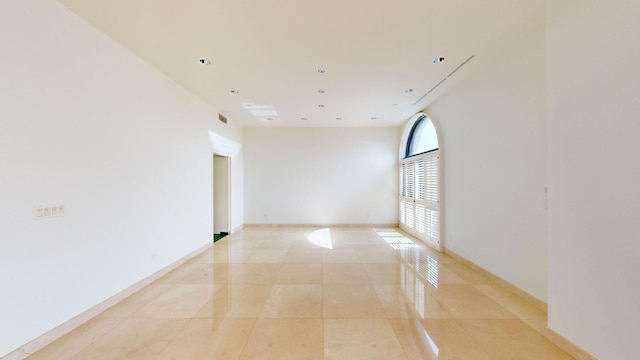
416	179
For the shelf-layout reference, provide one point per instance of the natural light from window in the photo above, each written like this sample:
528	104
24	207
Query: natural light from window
322	238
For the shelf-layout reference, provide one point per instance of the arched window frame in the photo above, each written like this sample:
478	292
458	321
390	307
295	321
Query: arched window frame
421	120
420	192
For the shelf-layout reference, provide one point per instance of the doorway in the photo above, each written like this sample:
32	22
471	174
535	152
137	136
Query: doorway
221	196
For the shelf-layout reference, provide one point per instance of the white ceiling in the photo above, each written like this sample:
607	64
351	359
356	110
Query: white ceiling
270	51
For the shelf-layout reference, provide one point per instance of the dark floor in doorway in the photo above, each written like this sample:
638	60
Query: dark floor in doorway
217	237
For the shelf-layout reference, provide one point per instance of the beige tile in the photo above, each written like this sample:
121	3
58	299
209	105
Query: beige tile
77	340
440	339
414	339
209	339
347	301
267	256
384	273
258	274
344	273
340	256
511	339
206	257
300	274
376	255
127	307
179	301
372	245
275	244
444	276
285	339
294	301
360	339
304	256
511	302
138	339
409	302
197	273
236	301
467	302
232	256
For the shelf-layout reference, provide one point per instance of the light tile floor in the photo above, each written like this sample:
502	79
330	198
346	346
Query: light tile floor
305	293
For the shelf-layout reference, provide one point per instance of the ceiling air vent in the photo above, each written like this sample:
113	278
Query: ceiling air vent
443	80
222	118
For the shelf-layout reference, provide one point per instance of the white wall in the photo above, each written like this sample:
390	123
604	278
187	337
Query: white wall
85	123
493	140
594	174
321	175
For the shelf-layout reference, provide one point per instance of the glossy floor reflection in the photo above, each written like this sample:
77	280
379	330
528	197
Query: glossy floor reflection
305	293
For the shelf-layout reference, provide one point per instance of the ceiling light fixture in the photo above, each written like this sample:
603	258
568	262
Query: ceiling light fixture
235	92
204	61
408	91
321	71
438	60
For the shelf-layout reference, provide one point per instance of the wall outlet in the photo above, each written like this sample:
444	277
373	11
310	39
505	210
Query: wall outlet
48	211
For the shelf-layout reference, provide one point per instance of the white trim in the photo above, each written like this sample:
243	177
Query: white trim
223	146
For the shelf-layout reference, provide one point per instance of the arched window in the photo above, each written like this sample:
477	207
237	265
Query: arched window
419	172
422	137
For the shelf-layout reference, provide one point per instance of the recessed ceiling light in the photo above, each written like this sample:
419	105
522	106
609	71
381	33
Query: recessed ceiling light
321	71
304	119
438	60
408	91
236	92
204	61
320	105
321	91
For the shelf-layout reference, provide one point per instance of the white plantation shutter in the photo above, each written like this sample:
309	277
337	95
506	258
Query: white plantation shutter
410	219
431	178
432	220
420	179
409	178
420	197
420	218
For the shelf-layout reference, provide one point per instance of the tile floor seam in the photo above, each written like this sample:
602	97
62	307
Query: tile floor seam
173	338
457	321
404	351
